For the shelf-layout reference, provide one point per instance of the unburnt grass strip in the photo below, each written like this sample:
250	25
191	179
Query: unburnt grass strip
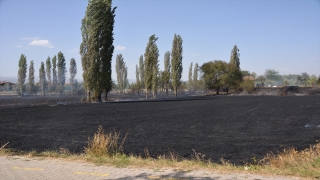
105	149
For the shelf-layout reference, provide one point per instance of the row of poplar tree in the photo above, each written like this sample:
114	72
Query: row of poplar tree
46	83
148	76
97	49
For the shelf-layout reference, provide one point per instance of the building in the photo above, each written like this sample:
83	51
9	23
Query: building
6	86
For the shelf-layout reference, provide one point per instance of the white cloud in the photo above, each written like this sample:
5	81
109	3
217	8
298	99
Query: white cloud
30	38
18	46
74	50
120	48
41	42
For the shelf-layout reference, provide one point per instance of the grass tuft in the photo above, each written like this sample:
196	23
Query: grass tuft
105	144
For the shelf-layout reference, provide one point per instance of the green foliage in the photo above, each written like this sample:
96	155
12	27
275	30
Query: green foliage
291	79
176	62
97	47
273	75
122	72
31	87
151	65
73	73
215	74
22	73
247	85
42	77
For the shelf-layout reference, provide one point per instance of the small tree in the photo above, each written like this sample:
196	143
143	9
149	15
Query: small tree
247	85
141	70
261	79
303	78
42	76
31	87
22	73
73	73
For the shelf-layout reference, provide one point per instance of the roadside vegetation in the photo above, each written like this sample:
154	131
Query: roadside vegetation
107	149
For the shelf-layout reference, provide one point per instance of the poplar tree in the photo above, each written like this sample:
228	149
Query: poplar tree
234	71
166	72
151	64
31	78
48	71
190	78
155	77
73	73
22	73
141	70
97	47
138	79
195	76
42	77
176	63
122	72
54	73
61	71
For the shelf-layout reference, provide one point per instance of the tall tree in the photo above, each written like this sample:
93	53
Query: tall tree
62	70
303	78
190	82
22	73
54	74
138	82
122	72
166	72
261	79
31	78
73	73
155	77
176	63
195	76
42	77
48	71
141	70
234	72
97	47
151	64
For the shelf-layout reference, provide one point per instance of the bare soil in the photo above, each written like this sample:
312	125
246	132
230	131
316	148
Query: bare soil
235	128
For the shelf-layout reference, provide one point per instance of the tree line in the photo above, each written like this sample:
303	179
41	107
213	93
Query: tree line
52	76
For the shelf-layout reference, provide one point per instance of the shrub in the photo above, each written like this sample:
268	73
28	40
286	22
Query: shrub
247	85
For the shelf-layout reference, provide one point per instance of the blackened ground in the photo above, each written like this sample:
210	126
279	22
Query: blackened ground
236	128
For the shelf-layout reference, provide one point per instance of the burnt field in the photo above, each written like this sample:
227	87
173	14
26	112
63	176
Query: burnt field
235	128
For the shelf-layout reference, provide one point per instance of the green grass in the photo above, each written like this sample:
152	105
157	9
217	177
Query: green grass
105	149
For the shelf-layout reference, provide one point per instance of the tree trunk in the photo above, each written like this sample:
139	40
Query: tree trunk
88	96
176	92
106	95
21	92
217	91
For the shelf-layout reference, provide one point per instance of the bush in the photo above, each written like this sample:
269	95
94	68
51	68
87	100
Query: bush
247	85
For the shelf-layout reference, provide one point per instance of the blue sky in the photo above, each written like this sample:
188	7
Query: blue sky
271	34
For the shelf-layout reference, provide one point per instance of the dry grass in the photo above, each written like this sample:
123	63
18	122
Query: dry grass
105	144
106	149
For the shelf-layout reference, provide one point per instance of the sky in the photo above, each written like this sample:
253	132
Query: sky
282	35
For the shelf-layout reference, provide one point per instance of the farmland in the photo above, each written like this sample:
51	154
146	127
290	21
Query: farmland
235	128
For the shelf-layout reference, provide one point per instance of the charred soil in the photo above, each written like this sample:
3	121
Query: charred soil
235	128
